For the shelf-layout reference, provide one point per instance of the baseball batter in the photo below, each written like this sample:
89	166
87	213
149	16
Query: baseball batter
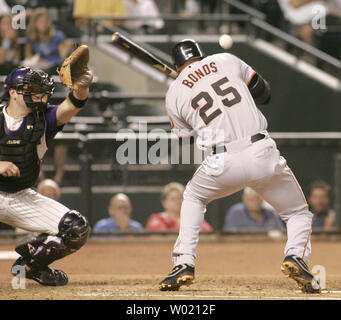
216	96
27	126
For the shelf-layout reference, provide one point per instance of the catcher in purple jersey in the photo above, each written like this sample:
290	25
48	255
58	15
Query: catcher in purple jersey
27	125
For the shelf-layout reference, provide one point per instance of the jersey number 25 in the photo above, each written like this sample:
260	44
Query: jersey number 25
208	100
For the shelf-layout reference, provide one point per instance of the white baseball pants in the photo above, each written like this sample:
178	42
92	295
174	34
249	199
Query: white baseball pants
259	166
29	210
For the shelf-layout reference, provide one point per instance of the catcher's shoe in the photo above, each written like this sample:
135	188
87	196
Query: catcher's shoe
294	267
182	274
44	275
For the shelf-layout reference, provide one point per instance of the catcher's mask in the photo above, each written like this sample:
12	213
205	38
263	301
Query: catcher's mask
185	51
35	86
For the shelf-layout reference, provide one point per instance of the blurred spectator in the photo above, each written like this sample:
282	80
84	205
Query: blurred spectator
169	220
300	14
4	8
9	51
252	215
50	189
191	8
143	8
83	10
119	210
329	40
46	47
334	7
319	202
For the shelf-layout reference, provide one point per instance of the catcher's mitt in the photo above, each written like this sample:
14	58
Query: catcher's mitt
74	72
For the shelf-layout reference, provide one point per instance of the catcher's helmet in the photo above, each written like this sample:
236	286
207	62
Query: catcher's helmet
35	86
185	51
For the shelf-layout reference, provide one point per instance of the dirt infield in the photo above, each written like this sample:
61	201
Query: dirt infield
131	270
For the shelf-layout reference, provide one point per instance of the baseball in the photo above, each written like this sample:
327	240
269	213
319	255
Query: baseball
225	41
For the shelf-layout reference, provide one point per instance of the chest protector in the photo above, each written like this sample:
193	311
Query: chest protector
21	149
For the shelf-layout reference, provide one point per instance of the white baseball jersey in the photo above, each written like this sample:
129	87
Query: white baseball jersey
213	95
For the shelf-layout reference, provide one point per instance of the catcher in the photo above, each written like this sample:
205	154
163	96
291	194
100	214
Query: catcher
27	126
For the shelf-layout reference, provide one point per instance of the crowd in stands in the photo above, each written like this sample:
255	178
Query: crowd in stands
85	9
119	211
319	200
251	214
43	45
46	46
9	51
315	22
169	219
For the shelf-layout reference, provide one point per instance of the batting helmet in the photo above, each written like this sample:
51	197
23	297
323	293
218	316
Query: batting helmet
35	86
185	51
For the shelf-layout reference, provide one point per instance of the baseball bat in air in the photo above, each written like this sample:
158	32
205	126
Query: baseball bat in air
138	52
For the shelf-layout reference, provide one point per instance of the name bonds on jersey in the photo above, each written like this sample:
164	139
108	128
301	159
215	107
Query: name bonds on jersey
200	73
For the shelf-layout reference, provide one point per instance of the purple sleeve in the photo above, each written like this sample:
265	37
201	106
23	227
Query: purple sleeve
51	123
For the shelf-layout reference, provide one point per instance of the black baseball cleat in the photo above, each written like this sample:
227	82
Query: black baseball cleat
294	267
182	274
46	276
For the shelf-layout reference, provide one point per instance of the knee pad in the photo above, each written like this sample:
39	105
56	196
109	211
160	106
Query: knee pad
29	244
40	250
74	229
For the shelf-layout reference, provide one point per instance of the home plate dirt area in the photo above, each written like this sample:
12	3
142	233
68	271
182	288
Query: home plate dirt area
131	269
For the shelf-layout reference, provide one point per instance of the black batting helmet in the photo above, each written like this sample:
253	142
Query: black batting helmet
185	51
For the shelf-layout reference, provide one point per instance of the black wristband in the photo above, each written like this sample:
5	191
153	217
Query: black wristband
76	102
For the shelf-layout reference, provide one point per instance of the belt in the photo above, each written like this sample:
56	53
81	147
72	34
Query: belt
254	138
